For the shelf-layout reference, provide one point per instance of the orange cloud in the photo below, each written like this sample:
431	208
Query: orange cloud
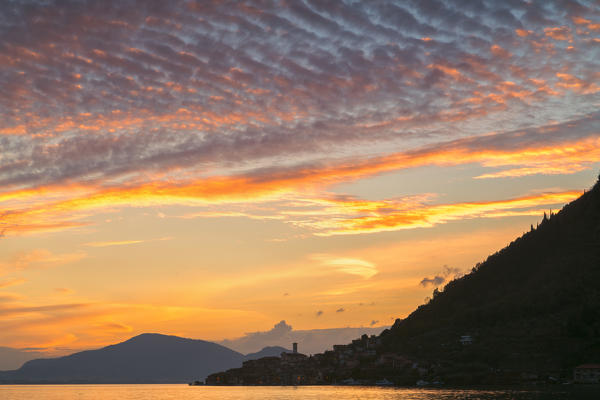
500	52
558	33
523	33
114	327
11	282
575	84
60	341
580	21
190	118
123	242
453	72
347	265
261	186
40	258
393	216
583	21
232	214
63	290
114	243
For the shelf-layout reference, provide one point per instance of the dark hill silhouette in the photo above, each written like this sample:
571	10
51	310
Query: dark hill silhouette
532	307
269	351
145	358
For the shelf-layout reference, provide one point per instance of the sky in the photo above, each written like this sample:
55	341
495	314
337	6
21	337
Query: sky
208	169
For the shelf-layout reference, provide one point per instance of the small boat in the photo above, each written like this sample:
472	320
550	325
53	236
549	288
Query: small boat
384	382
196	383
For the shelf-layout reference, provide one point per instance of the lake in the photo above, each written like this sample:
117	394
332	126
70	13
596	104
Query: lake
184	392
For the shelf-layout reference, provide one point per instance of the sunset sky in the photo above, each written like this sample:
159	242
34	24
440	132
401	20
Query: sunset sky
207	169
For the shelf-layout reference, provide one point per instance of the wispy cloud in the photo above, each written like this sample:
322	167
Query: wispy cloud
64	290
11	282
123	242
9	297
113	243
347	265
381	216
114	327
231	214
40	258
10	311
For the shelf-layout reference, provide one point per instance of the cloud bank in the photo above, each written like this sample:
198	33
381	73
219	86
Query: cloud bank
447	274
309	341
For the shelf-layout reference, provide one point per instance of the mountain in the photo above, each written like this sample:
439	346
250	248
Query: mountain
530	310
13	358
269	351
147	358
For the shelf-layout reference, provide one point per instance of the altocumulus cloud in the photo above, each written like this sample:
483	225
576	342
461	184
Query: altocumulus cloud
187	84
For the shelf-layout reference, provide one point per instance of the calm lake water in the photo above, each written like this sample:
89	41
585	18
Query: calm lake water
183	392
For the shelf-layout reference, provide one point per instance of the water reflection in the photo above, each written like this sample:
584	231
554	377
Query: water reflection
184	392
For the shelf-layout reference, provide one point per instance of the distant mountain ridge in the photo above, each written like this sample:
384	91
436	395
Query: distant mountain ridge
269	351
146	358
11	358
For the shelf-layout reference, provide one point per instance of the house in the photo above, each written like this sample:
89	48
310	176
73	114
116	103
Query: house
292	358
587	373
392	360
342	348
466	340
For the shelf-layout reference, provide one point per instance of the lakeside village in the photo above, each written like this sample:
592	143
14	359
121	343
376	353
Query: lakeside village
360	363
331	367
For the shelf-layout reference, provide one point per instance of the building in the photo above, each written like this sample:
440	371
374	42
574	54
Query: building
466	340
392	360
292	358
343	349
587	373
